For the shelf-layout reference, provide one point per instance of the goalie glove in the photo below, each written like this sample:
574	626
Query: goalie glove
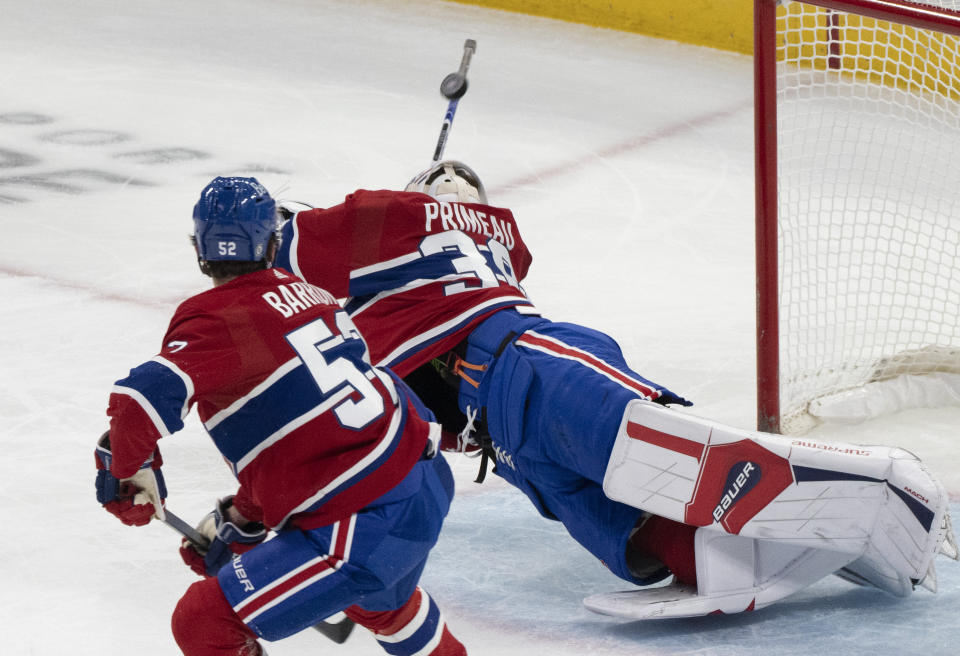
134	500
225	539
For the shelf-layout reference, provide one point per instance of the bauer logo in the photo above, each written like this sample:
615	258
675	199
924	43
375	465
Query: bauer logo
740	480
241	573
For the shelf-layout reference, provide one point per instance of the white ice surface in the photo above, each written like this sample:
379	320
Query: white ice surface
628	162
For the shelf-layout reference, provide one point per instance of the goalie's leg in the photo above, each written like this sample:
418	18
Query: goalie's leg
839	497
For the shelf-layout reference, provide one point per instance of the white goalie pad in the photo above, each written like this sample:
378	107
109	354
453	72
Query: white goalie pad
876	568
835	497
734	574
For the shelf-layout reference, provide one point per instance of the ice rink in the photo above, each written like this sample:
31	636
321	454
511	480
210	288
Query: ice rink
628	162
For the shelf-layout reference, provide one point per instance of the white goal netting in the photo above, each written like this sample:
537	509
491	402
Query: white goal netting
868	134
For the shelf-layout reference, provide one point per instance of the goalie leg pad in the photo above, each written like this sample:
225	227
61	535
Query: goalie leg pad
837	497
758	572
872	570
734	574
909	534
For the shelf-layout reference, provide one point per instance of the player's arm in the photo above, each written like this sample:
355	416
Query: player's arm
316	245
145	406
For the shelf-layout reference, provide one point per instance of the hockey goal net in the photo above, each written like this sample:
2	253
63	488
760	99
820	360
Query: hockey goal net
858	208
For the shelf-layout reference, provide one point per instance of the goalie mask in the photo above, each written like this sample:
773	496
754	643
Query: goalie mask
450	182
234	220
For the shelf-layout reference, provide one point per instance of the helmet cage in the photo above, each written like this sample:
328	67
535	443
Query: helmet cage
234	220
450	181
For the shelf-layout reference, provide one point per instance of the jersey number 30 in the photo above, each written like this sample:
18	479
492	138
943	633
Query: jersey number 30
469	262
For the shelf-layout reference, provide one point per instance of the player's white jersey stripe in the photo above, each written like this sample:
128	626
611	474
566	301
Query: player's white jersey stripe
187	382
281	371
147	407
288	428
413	284
342	547
387	381
294	263
551	346
386	264
445	327
388	438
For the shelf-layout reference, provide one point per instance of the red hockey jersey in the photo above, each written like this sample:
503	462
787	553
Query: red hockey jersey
282	382
417	274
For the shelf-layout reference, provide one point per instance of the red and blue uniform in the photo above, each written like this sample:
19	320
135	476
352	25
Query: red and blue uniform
427	280
329	451
282	382
418	275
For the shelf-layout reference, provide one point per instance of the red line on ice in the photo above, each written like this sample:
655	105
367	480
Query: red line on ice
636	143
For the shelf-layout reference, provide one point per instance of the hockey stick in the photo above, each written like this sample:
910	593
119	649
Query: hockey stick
185	529
453	87
336	631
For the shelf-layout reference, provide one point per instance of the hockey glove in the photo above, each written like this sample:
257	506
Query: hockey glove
225	540
135	500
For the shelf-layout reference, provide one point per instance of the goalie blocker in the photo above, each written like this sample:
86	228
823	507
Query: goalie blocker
873	513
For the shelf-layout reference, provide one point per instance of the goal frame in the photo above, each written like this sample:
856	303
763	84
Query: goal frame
765	151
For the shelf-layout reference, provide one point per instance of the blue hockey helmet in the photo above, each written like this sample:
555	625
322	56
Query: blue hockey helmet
233	220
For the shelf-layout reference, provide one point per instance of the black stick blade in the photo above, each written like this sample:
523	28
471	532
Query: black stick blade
336	631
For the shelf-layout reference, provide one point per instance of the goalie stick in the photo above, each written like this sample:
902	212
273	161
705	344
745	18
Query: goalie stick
453	87
336	631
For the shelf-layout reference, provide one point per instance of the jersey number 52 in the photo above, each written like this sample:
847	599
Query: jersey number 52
338	359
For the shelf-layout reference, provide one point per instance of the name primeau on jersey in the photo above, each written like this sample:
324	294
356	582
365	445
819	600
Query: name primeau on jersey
454	216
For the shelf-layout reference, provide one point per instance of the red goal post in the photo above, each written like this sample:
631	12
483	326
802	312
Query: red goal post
857	156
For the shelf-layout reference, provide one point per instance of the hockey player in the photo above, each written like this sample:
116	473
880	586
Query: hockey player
431	277
434	287
335	456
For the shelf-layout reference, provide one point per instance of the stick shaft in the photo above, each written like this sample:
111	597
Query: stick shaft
469	47
445	130
184	529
